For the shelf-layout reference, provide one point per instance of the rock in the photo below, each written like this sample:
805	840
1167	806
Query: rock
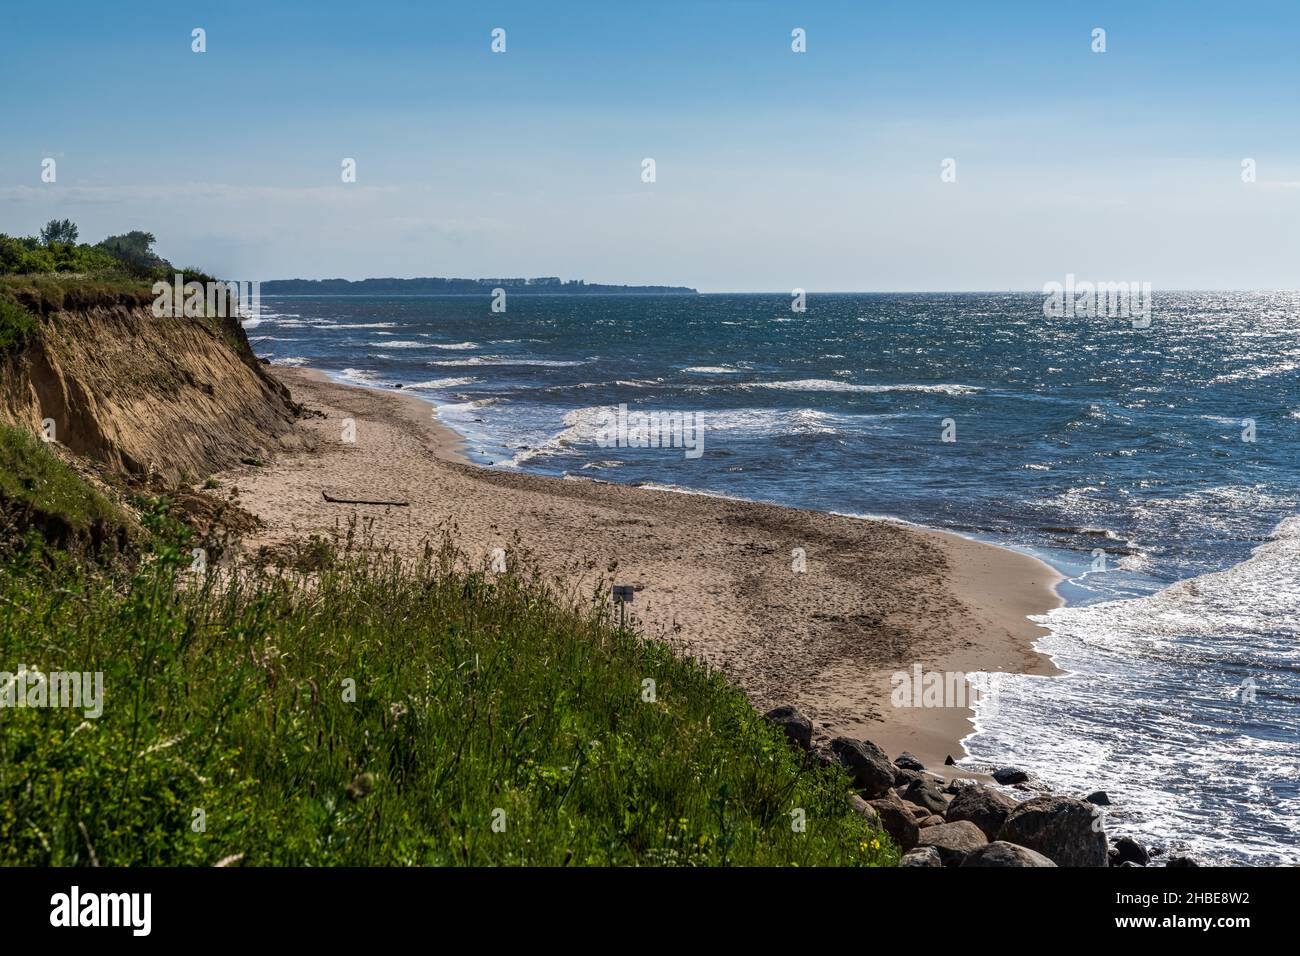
897	822
1009	775
908	761
903	777
1127	850
1181	861
1060	828
867	764
823	756
867	810
919	812
933	820
954	841
798	728
921	856
1129	863
949	762
926	793
1001	853
1099	798
985	807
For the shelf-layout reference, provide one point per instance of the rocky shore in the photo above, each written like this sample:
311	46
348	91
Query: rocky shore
961	822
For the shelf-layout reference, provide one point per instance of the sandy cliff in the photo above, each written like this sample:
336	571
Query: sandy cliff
140	393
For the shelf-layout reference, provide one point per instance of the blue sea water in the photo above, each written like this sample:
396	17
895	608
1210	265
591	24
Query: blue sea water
1119	455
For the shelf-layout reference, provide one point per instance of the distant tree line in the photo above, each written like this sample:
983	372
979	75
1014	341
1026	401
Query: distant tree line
437	286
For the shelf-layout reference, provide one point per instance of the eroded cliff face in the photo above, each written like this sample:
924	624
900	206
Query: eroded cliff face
144	394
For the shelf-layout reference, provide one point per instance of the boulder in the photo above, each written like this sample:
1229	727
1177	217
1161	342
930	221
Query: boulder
985	807
908	761
954	841
798	728
1099	798
949	762
1061	828
866	763
919	812
1181	861
822	756
1001	853
1009	775
926	793
865	809
1127	850
933	820
921	856
903	777
897	822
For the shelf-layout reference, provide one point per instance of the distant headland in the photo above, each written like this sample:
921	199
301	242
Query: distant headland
547	285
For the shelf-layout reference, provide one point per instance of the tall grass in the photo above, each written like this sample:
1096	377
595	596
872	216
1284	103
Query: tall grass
494	722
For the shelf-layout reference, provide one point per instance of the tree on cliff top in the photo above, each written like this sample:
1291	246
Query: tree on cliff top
59	230
134	249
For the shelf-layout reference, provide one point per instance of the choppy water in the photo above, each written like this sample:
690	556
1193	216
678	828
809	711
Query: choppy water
1076	439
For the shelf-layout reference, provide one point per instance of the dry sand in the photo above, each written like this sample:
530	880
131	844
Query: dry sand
877	597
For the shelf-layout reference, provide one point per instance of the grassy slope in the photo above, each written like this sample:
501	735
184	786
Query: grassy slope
38	491
472	697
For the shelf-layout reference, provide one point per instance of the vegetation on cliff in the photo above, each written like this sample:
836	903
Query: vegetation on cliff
56	250
362	710
45	503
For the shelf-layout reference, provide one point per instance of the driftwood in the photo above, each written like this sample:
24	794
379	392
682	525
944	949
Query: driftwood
361	501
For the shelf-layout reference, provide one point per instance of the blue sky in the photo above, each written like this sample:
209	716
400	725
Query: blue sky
775	170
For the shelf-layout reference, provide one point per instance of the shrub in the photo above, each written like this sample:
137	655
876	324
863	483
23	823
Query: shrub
17	326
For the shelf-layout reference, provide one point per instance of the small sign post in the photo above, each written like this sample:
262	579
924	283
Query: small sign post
624	594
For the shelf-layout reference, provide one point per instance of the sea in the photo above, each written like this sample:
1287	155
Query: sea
1157	468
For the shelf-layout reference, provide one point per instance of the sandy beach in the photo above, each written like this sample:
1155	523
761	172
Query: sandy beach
715	575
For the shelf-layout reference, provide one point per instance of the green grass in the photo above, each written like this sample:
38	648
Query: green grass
44	295
475	700
40	493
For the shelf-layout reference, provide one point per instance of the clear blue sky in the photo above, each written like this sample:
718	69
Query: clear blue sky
775	170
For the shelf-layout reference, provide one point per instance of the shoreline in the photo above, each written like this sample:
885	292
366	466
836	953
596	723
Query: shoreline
877	598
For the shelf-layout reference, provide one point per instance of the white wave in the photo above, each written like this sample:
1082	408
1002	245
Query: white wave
1251	374
828	385
456	346
360	376
681	490
444	383
1180	704
400	344
292	360
500	360
713	370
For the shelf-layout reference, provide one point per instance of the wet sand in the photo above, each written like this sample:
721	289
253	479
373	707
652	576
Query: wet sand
715	575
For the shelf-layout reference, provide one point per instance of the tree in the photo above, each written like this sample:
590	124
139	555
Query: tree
134	249
59	230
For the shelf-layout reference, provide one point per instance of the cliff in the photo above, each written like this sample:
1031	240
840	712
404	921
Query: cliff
136	392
